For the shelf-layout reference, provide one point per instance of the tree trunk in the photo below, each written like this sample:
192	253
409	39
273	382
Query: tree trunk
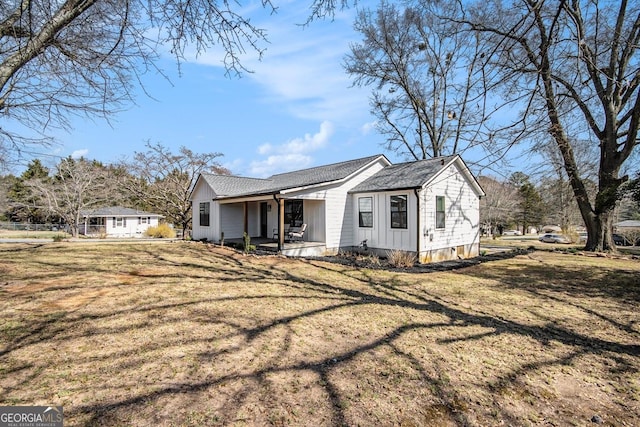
599	230
600	222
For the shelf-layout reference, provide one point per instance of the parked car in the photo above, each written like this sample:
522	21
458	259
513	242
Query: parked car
511	233
554	238
620	240
582	237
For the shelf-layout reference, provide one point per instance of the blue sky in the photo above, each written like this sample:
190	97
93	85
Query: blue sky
296	110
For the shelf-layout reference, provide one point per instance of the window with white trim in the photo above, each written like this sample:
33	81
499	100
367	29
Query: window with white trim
365	212
204	214
399	211
440	212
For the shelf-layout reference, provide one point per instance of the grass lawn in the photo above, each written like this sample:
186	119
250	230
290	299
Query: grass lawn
188	334
29	234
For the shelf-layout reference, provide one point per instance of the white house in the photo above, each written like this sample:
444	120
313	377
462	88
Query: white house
117	221
429	207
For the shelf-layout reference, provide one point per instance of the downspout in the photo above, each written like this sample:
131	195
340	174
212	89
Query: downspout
416	192
279	225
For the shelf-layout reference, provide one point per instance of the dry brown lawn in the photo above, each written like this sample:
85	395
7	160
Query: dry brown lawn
187	334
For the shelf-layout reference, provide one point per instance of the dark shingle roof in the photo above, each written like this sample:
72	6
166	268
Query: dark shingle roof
403	175
228	185
234	186
320	174
116	211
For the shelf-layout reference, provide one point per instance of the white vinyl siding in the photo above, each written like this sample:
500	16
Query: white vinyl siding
128	226
462	213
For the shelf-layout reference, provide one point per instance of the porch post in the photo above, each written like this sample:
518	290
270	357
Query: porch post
246	217
280	224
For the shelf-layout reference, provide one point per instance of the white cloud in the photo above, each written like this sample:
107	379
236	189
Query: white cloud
291	155
301	71
79	153
369	127
279	163
307	143
233	165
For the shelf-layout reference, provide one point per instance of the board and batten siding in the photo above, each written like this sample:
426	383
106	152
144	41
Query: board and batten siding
204	193
381	236
231	220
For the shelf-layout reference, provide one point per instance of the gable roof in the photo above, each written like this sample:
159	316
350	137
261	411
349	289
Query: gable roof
235	186
403	176
322	174
116	211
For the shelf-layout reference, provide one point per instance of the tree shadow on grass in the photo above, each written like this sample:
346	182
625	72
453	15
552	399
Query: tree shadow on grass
334	292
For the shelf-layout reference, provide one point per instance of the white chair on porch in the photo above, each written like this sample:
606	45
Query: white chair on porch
297	234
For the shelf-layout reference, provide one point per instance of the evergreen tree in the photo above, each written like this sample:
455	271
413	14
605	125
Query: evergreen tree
24	204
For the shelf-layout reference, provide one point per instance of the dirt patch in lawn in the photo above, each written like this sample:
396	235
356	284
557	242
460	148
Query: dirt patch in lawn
191	334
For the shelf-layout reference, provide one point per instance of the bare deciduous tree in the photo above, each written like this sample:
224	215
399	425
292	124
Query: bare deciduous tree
500	204
428	91
575	66
82	57
163	181
77	186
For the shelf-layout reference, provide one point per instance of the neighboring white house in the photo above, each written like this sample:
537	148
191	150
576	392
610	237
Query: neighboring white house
117	221
429	207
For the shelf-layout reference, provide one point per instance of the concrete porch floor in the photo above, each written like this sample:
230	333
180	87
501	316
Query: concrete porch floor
296	248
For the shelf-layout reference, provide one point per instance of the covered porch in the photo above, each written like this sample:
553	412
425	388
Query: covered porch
267	220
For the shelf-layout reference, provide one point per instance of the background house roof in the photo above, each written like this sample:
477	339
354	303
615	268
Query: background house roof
628	223
403	175
234	186
116	211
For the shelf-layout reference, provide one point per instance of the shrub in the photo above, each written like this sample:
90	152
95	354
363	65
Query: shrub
370	259
401	259
571	234
58	237
162	231
247	246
